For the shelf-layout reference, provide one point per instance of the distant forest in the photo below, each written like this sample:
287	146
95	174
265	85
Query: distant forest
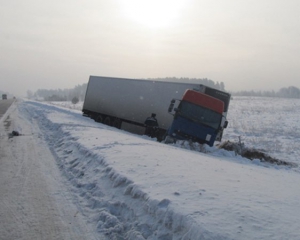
59	94
204	81
289	92
79	90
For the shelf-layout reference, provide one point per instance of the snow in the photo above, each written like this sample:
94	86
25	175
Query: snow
132	187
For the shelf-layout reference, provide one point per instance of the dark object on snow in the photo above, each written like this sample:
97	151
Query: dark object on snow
252	154
14	134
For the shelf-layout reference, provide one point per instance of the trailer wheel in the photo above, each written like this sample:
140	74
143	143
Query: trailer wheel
117	123
107	121
99	118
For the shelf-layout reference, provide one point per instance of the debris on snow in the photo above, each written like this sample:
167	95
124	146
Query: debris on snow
251	153
14	134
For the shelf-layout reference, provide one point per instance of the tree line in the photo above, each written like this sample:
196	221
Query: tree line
288	92
204	81
59	94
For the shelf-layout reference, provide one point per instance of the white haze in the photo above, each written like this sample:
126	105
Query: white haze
245	44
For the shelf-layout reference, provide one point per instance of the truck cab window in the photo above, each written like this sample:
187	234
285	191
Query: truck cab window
200	114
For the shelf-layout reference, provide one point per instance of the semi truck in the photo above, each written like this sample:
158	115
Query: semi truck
4	96
184	111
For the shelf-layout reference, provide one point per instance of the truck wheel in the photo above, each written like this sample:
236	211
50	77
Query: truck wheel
99	119
117	123
107	121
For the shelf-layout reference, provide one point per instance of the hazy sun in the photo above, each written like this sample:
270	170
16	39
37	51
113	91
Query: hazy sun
153	13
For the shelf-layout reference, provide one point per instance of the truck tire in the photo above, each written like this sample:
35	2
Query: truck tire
117	123
99	118
107	121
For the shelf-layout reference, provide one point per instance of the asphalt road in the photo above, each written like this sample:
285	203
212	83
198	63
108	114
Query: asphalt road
4	105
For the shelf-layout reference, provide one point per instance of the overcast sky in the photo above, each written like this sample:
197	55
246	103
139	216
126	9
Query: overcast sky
247	44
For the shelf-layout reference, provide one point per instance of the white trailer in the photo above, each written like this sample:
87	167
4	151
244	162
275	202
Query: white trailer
132	100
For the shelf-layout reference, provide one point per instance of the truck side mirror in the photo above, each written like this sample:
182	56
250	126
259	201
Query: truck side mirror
171	106
225	124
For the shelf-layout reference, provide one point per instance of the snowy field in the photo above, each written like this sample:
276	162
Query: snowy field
271	124
132	187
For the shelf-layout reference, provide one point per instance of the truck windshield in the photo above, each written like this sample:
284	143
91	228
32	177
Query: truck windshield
200	114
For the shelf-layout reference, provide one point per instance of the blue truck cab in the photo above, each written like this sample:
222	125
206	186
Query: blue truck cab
198	117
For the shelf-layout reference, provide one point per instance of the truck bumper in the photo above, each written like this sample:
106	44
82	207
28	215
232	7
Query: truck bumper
183	129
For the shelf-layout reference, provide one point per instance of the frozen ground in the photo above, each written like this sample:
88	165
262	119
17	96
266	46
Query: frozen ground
132	187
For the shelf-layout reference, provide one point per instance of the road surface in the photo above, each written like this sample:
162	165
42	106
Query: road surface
35	202
4	105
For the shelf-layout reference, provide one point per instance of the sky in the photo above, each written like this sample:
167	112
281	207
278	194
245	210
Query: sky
248	45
